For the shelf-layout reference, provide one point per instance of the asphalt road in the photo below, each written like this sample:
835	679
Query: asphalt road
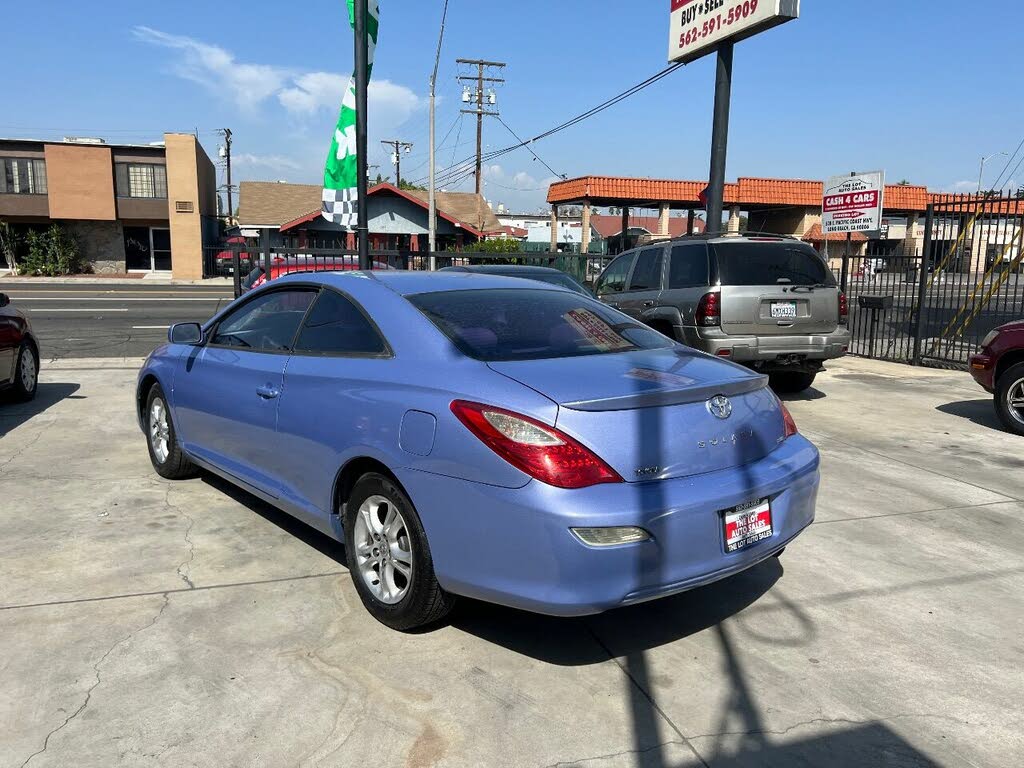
112	319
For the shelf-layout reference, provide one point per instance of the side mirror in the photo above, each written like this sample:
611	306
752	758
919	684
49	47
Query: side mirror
4	300
185	333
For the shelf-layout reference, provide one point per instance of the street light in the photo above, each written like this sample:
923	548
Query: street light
981	171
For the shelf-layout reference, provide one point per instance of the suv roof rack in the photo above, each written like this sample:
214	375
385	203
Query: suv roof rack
746	233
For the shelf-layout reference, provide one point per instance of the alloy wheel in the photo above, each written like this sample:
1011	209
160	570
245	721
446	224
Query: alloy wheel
29	372
159	430
383	549
1015	400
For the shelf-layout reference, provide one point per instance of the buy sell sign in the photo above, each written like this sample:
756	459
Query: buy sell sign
697	27
853	203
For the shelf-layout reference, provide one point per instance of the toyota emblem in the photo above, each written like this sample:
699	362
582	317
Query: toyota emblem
720	407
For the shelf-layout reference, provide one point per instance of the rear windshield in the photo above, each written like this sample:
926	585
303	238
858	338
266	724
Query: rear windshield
524	324
747	263
563	281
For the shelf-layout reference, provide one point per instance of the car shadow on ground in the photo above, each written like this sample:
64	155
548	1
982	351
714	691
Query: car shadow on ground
14	414
980	412
620	632
325	545
808	394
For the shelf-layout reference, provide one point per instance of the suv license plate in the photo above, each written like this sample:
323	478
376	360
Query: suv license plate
747	524
783	309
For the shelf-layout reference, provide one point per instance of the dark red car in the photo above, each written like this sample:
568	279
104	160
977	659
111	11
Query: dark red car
19	353
999	368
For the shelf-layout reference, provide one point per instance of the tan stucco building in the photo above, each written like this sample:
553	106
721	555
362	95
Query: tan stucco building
132	207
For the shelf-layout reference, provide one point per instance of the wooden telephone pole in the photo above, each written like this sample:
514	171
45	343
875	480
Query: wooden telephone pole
480	99
396	156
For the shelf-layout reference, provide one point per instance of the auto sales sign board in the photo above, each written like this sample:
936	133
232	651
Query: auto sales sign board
853	203
698	26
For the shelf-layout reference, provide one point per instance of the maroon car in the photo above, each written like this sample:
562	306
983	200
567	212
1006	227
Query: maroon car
999	368
19	353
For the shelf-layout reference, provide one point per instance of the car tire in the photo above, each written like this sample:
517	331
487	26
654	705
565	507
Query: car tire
165	452
790	382
400	601
26	374
1009	388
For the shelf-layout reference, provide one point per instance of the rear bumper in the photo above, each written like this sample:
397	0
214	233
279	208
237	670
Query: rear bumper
515	547
822	346
983	369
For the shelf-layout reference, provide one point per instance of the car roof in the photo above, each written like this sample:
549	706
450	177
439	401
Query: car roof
407	283
504	268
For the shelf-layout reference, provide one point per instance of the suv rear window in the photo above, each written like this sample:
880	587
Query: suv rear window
524	324
767	263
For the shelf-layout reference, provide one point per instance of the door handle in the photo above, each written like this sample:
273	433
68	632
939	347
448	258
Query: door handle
267	392
648	304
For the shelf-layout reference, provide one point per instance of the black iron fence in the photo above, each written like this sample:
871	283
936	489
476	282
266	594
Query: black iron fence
250	267
935	305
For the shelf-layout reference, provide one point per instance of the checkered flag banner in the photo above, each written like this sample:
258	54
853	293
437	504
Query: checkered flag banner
342	171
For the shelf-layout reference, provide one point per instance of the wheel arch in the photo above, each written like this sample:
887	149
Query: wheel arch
142	393
1006	362
349	475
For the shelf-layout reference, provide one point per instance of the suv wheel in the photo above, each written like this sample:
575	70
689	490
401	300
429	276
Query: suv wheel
1010	398
790	382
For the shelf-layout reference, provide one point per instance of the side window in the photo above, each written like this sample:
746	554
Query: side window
689	266
614	278
335	326
265	324
647	273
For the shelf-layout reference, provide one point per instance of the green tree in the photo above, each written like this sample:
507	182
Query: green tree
9	245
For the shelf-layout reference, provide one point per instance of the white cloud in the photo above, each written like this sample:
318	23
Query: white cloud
271	162
217	69
302	94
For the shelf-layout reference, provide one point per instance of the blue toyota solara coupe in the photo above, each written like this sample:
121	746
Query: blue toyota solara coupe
486	436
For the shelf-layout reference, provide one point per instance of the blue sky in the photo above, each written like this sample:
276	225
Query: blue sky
921	88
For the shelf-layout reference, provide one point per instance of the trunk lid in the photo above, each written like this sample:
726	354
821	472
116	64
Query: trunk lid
647	412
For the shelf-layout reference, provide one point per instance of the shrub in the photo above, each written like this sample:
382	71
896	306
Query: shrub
51	253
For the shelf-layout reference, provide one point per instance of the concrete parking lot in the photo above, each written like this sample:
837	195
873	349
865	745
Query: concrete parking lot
146	622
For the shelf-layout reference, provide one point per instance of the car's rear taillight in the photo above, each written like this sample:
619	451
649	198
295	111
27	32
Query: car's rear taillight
709	310
542	452
844	309
788	423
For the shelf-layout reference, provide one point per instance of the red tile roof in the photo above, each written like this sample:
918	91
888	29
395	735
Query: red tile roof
611	226
747	191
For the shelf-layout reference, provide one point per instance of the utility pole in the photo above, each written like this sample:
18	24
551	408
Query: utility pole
227	167
396	156
431	198
362	81
479	99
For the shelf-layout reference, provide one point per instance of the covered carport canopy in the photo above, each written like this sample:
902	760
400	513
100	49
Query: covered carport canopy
783	206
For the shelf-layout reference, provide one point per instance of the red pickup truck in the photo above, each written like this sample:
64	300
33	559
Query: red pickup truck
999	368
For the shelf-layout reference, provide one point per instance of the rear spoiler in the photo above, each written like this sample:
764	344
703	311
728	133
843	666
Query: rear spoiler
662	397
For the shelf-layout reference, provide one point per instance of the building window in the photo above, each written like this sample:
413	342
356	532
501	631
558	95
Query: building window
22	177
141	180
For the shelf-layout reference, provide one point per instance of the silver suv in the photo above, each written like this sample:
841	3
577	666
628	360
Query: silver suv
766	301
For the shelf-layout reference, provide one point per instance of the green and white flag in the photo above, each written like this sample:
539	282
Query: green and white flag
341	171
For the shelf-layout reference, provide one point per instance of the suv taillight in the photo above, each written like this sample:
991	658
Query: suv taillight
541	451
709	310
844	309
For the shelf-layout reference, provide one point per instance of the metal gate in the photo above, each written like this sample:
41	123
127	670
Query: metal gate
935	305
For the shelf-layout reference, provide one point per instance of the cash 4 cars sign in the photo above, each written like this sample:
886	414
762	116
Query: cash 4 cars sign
853	203
698	26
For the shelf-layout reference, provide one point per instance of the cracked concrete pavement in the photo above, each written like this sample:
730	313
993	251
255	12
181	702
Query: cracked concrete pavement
144	622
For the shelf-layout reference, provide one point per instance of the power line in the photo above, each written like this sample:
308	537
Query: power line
479	98
529	148
582	116
999	179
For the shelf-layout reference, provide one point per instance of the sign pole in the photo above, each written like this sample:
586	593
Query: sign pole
720	137
362	76
846	263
